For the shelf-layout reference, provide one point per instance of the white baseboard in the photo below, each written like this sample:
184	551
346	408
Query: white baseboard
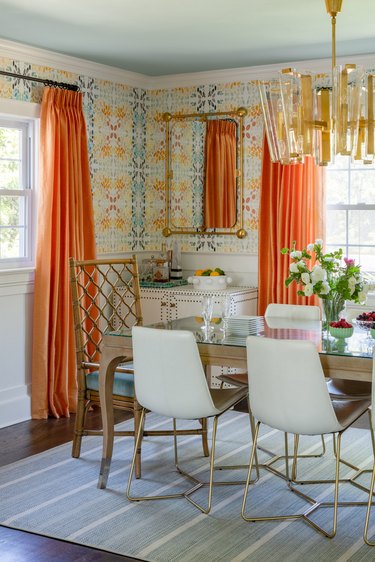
15	406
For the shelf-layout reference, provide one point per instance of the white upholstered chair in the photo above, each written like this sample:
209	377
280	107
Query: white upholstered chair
286	390
282	311
170	380
279	313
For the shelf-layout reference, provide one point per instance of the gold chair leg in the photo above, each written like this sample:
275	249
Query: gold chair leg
138	425
204	424
315	505
185	494
368	512
196	483
245	466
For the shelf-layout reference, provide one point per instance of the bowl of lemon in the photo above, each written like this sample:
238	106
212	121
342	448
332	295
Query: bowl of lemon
210	279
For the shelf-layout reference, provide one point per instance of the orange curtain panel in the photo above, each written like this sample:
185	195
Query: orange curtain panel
65	228
292	207
220	174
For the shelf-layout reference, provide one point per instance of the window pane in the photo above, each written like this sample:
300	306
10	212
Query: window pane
336	228
361	227
17	137
365	257
10	143
10	174
362	189
12	211
337	187
12	243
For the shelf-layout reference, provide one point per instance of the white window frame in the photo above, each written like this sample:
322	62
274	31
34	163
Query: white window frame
24	114
351	207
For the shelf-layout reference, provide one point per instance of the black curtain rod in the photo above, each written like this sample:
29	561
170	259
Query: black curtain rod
44	81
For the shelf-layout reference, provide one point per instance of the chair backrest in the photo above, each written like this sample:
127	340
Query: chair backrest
96	285
293	311
168	374
287	388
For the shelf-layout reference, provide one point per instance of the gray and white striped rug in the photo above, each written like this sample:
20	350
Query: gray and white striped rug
55	495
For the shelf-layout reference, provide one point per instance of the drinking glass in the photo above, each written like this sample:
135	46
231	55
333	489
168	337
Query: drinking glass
207	310
225	313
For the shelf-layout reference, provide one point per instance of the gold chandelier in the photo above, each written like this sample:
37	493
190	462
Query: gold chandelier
305	115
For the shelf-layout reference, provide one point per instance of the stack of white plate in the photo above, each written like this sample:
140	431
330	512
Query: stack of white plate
245	325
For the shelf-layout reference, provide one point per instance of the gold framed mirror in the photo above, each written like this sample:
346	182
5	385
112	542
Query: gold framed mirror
204	180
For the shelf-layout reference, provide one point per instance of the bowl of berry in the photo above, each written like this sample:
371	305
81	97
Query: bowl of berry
341	329
366	321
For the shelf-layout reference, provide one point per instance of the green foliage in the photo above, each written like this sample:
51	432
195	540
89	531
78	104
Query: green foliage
324	274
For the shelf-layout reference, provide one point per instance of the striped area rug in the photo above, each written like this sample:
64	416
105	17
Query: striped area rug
55	495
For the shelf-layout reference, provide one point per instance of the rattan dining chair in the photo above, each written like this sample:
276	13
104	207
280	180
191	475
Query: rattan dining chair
170	380
106	297
95	284
286	390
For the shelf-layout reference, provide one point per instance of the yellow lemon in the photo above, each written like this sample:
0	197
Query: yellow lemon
198	272
214	273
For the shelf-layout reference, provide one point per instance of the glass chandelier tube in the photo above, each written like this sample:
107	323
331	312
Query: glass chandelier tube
303	119
347	83
274	122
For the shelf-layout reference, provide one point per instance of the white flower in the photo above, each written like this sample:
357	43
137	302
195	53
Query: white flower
297	254
308	290
319	242
306	278
293	268
352	281
362	296
325	288
310	247
328	259
318	274
301	265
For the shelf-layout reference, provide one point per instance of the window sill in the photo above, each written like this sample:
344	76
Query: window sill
19	276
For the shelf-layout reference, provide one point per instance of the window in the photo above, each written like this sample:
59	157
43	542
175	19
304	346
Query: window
350	189
17	181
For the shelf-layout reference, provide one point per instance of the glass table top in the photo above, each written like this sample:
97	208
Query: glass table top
360	344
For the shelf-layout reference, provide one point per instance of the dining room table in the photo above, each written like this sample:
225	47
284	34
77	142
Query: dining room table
346	359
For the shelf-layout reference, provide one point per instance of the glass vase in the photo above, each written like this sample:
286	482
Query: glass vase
332	310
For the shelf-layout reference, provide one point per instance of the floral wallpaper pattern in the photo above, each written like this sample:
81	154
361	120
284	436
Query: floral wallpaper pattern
126	138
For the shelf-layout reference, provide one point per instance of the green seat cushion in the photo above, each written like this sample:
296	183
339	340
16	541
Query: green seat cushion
123	383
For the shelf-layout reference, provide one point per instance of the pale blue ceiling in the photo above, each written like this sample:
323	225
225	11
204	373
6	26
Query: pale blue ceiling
158	37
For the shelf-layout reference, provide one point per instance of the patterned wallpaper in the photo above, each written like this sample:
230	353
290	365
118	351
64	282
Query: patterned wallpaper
126	135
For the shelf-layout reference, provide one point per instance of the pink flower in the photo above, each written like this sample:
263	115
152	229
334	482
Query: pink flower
348	262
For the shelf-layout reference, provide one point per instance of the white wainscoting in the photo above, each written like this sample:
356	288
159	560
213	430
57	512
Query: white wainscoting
16	307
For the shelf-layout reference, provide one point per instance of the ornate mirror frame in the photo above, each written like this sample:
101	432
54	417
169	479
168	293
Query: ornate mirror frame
238	229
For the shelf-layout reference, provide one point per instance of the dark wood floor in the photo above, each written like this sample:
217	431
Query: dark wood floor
25	439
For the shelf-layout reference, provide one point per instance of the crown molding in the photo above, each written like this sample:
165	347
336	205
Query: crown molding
254	73
42	57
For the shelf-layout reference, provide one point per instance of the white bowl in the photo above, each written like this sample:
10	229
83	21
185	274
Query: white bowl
210	283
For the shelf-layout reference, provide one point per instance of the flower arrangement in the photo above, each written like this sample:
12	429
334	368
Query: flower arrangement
332	278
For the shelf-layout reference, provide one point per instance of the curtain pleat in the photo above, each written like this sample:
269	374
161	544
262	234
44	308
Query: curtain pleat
220	174
292	208
65	228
